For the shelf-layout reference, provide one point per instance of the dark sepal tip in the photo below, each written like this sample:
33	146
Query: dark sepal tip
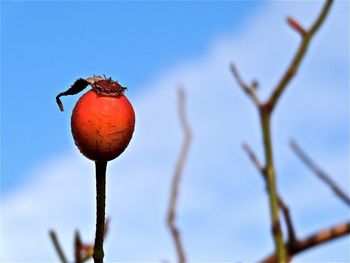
59	103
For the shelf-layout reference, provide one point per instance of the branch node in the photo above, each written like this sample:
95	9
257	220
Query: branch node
276	227
250	90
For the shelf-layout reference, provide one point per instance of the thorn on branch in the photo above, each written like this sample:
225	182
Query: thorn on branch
296	26
171	215
255	84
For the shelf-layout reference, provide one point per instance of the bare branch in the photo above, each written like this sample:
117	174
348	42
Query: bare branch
171	215
282	205
322	237
319	238
294	66
319	172
295	246
250	90
57	246
265	112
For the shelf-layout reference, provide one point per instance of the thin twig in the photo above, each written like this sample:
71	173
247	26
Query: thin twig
321	237
296	26
171	215
285	210
288	219
294	66
253	158
250	90
57	246
319	172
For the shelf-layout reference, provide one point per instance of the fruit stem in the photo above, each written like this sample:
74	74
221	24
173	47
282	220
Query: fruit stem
101	167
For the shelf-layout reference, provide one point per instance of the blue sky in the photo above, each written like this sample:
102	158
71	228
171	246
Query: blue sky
152	47
47	45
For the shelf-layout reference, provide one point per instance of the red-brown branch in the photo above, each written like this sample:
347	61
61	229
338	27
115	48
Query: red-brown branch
319	238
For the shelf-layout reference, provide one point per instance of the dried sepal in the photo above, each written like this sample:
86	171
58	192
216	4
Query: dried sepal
78	86
101	84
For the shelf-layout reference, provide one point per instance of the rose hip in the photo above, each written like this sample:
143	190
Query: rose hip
103	119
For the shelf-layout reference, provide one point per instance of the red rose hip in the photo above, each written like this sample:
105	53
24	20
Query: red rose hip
103	119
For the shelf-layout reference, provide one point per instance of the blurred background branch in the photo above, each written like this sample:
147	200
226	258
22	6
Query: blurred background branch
58	247
82	251
171	215
77	247
319	172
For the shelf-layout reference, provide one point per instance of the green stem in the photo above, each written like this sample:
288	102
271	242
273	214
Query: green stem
101	167
271	184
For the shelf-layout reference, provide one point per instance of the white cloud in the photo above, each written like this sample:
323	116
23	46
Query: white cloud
223	213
